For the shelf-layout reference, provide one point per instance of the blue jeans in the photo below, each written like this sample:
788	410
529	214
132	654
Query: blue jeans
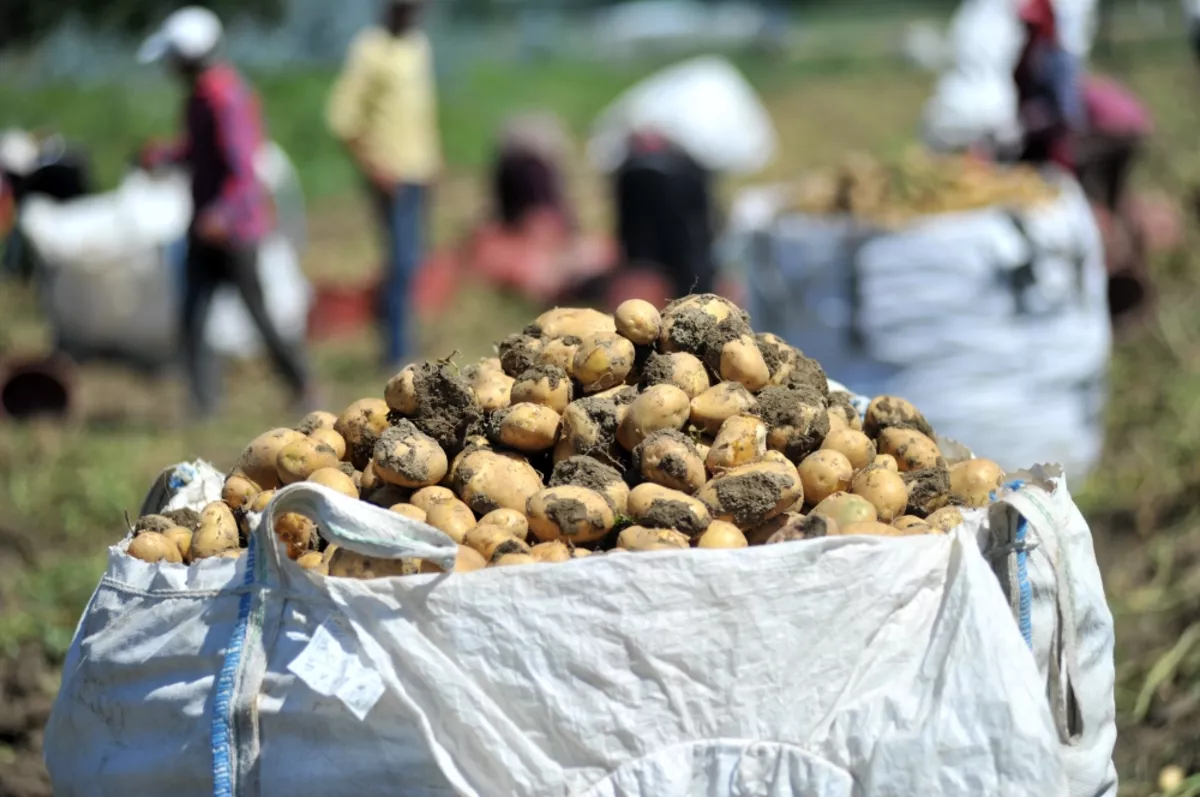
402	217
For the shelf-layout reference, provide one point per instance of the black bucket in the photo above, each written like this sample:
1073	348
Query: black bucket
41	387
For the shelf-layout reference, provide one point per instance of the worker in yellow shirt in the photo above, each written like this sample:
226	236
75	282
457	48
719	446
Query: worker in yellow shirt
383	108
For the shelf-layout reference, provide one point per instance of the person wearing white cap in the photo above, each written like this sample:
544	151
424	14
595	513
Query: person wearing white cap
383	108
232	210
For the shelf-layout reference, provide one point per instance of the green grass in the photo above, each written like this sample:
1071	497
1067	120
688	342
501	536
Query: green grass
64	489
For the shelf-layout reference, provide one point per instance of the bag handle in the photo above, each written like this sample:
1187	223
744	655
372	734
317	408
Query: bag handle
356	526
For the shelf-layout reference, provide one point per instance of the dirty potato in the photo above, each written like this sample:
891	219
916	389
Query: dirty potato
315	421
742	440
347	564
545	385
661	407
654	506
885	490
797	420
911	449
407	457
594	475
669	458
528	428
572	514
885	412
603	360
639	538
719	403
683	370
400	393
492	542
490	480
519	353
751	494
360	426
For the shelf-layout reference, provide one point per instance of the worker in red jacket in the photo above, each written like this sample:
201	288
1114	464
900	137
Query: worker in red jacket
232	209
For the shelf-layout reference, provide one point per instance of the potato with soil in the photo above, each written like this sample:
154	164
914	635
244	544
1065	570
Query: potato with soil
928	490
218	531
945	520
155	523
640	538
577	322
888	412
491	480
454	518
153	547
572	514
683	370
331	439
493	388
911	449
603	361
589	428
885	490
400	392
722	535
687	322
974	481
297	532
183	541
812	527
807	374
447	409
335	479
519	353
657	507
258	461
709	411
315	421
427	497
360	426
824	473
796	418
347	564
742	440
528	428
778	354
752	494
545	385
639	321
559	353
855	446
594	475
468	561
661	407
492	542
299	460
669	458
846	509
407	457
734	354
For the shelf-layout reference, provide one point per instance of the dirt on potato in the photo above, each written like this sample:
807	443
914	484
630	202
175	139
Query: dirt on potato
410	463
779	407
568	513
929	490
811	527
774	354
894	415
586	472
158	523
554	375
446	407
717	335
519	353
673	465
807	373
667	514
184	518
657	370
749	498
839	401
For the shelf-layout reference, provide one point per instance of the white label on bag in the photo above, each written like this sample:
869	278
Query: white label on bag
330	666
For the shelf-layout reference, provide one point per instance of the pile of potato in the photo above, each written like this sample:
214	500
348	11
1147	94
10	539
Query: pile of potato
593	434
920	184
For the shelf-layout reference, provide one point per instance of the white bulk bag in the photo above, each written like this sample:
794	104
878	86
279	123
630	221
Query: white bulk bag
995	323
704	105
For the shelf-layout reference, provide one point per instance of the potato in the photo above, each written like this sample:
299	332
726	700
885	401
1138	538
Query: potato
659	407
152	546
742	440
887	461
296	531
490	364
812	527
474	443
683	370
493	542
719	403
311	561
720	534
974	481
519	353
639	538
360	426
400	393
514	560
912	450
259	504
569	513
453	517
218	531
846	509
886	412
347	564
297	461
510	520
751	494
837	421
856	446
595	475
183	541
826	472
913	523
490	480
655	506
778	354
559	353
315	421
577	322
409	511
885	490
639	321
529	428
447	408
945	520
741	361
589	428
157	523
425	498
686	322
873	528
331	439
257	462
551	552
238	492
233	553
603	361
335	479
928	490
669	458
493	388
407	457
467	561
797	420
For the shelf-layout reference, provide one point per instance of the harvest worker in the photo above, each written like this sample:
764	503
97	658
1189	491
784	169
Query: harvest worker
232	209
384	110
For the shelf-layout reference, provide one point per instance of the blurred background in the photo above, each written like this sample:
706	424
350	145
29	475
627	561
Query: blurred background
835	77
